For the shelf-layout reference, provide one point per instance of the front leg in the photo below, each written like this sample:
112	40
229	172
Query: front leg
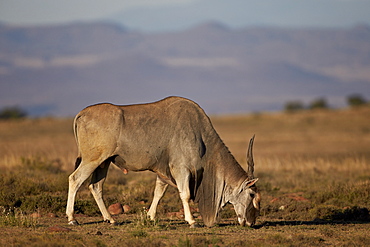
184	191
159	190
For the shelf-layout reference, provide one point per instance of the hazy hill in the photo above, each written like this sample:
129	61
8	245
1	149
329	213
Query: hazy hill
60	69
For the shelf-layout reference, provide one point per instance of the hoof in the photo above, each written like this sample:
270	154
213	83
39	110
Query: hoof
113	223
73	223
194	225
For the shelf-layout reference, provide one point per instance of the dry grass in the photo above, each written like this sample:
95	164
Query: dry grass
306	133
314	170
29	138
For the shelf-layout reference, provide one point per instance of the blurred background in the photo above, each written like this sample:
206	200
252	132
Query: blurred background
236	56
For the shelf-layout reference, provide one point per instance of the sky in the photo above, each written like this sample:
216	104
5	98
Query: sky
172	15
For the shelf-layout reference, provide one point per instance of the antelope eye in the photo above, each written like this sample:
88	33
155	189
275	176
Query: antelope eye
252	195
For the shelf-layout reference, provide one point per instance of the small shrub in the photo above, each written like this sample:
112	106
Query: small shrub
356	100
16	217
12	112
143	219
293	106
318	104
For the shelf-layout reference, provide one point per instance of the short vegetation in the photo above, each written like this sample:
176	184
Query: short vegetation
356	100
12	112
313	170
353	101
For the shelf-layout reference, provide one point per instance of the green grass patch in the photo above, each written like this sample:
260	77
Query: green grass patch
15	217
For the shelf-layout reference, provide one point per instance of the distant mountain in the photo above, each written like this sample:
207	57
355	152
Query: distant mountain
58	70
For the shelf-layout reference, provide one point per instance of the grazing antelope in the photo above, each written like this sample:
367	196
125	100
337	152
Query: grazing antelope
173	138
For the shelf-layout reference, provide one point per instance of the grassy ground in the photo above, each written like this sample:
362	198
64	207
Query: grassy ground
314	170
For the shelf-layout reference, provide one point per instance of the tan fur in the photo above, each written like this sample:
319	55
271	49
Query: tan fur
173	138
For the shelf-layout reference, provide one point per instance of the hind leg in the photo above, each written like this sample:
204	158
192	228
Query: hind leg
160	189
96	189
76	179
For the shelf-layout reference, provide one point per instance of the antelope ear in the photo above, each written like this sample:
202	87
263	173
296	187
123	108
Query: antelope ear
256	201
247	184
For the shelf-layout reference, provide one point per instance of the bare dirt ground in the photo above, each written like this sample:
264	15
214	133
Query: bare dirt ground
174	232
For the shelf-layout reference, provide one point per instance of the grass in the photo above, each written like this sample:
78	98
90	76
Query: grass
15	217
314	178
